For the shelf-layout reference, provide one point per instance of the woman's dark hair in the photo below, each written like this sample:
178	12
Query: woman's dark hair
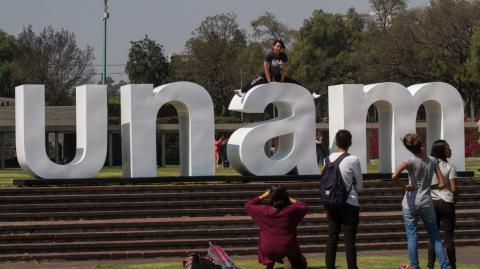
343	139
279	197
413	143
438	150
278	41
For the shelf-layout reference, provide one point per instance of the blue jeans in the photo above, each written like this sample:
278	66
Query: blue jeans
430	221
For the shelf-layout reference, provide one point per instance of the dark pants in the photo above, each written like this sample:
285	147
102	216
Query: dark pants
346	216
446	216
262	79
320	154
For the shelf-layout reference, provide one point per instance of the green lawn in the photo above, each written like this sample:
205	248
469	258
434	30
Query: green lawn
370	262
7	174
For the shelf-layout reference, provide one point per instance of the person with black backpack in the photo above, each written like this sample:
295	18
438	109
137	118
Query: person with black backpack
340	184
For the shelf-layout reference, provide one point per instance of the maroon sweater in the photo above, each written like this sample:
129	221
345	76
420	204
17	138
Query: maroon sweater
278	229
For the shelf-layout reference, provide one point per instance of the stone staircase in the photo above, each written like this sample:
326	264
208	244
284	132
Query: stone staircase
171	220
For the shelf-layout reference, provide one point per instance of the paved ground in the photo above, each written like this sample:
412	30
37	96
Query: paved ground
465	255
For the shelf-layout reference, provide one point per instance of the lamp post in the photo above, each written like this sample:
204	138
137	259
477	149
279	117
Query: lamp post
104	19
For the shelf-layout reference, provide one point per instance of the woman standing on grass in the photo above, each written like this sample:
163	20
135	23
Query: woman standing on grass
418	199
278	223
444	202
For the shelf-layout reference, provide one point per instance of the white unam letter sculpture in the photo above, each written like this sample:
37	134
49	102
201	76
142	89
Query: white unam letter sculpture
140	106
295	127
91	112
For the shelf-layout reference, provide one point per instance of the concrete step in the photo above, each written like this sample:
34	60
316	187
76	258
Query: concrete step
119	213
67	206
373	185
192	233
186	223
239	241
376	194
102	222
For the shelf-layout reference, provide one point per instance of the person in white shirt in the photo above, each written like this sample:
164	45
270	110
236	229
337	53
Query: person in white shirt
348	214
444	201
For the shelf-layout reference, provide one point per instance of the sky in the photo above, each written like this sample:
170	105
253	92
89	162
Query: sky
169	22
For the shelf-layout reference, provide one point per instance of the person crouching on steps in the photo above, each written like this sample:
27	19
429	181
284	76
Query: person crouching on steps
277	224
417	200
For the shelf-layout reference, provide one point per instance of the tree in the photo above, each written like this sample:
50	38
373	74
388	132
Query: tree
268	28
8	47
473	62
54	59
113	87
386	11
473	68
324	53
147	62
427	44
211	58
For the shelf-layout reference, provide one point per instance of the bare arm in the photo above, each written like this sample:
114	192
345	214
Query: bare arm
453	185
441	179
396	177
265	194
266	67
284	72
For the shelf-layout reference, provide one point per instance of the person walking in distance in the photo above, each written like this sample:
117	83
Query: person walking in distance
344	213
417	200
444	202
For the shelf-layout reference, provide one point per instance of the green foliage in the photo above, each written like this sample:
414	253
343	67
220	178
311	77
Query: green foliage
211	57
473	62
268	28
386	11
147	62
324	53
8	47
249	62
53	58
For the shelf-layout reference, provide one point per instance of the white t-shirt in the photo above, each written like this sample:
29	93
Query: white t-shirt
350	168
448	172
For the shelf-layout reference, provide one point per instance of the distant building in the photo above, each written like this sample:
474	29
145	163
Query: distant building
6	101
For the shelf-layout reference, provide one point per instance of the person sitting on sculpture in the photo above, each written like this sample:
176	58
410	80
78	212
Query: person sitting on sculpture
275	70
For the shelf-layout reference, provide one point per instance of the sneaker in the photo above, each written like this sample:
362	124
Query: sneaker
238	92
316	95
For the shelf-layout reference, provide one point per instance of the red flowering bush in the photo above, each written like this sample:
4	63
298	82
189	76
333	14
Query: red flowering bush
472	146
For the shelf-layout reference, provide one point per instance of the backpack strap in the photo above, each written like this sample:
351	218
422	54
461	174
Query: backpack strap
340	158
338	161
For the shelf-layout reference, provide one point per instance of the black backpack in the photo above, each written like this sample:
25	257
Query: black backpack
333	191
